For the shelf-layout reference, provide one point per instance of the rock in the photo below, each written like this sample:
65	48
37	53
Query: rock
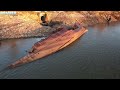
26	24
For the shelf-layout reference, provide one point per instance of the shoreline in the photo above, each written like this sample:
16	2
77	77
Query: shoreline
28	25
40	36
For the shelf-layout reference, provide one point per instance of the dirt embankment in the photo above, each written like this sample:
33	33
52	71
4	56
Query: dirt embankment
21	26
27	24
86	18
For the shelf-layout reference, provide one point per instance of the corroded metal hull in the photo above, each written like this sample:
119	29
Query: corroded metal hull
52	44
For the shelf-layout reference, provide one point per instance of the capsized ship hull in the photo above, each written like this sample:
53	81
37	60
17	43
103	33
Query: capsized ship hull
52	44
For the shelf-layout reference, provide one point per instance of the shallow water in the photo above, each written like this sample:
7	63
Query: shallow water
95	55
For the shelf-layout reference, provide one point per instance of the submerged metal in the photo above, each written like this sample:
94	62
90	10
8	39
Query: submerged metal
52	44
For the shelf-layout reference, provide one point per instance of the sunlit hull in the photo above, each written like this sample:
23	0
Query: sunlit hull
52	44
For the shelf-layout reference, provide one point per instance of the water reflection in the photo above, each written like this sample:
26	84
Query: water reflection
95	55
14	49
100	27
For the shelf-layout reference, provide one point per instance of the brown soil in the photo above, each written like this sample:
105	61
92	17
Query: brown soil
27	24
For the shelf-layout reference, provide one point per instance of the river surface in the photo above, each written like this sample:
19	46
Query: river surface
96	55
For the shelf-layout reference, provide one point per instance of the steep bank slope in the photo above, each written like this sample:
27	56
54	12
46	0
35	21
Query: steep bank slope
21	26
84	17
27	24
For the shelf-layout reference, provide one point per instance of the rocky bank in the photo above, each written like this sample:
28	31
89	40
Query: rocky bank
27	24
